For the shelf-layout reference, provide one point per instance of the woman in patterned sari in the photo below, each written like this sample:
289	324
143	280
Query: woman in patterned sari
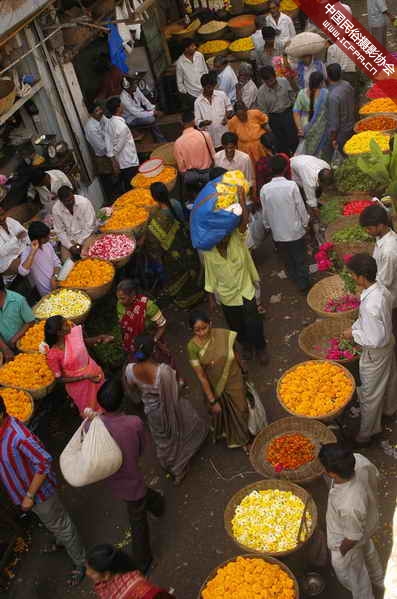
218	367
115	576
167	241
311	117
139	314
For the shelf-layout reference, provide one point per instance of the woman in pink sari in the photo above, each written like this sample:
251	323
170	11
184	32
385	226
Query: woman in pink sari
68	358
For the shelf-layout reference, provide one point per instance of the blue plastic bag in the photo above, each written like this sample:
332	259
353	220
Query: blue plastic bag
117	53
208	226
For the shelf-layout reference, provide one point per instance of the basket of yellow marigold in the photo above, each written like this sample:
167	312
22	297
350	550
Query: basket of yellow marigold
250	575
28	372
271	517
138	197
72	304
128	220
214	48
92	275
241	48
30	342
319	389
168	176
19	403
288	448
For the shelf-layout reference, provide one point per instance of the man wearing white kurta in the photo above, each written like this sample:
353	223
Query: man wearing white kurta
212	109
74	222
352	518
47	184
373	331
13	240
227	78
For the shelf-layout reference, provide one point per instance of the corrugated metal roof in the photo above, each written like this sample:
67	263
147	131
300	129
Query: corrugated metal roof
14	12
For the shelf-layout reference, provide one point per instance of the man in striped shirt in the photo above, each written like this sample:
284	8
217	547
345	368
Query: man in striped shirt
26	473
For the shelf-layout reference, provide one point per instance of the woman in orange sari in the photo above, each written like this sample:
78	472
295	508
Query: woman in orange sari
249	126
68	358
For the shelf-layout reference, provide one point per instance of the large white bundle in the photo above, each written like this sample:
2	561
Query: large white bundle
304	44
90	456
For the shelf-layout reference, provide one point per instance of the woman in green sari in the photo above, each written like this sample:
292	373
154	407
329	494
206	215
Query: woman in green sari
218	367
311	117
167	241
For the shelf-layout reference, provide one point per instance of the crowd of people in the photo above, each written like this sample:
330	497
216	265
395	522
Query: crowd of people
280	125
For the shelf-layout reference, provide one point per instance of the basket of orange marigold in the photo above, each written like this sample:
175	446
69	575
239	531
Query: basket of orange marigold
19	404
29	343
92	275
319	389
250	575
168	176
126	219
28	372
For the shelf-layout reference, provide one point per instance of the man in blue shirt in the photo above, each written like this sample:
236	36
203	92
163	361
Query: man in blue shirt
16	317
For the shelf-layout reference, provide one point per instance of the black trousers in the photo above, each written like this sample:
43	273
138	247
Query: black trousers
284	129
294	256
126	174
137	512
247	323
187	102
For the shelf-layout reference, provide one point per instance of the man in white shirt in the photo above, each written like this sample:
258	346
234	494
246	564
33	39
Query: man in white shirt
190	67
47	184
352	518
282	23
74	222
212	109
138	111
284	212
232	159
13	240
227	78
373	331
258	40
312	175
94	130
378	14
246	90
39	261
120	145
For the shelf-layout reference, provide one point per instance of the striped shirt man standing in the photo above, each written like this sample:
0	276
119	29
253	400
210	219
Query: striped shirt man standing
26	473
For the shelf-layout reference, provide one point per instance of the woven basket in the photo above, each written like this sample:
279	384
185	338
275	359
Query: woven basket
313	339
367	118
245	30
166	153
7	95
314	430
119	262
282	485
328	288
267	558
245	55
342	248
99	291
326	417
223	52
255	7
76	319
35	393
214	35
194	26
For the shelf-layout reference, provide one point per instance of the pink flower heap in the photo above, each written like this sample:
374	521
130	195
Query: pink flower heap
324	256
112	246
341	350
344	303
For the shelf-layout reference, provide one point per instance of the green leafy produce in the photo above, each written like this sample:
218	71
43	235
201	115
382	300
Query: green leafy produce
349	177
103	319
331	209
375	164
353	233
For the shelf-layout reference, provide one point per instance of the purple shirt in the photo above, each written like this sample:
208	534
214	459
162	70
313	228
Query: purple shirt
128	432
42	269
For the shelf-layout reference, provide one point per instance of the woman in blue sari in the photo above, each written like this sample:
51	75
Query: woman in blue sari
311	117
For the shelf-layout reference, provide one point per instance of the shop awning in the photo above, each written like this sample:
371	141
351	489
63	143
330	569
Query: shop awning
15	13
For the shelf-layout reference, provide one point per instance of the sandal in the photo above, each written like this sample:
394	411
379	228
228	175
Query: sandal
77	576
